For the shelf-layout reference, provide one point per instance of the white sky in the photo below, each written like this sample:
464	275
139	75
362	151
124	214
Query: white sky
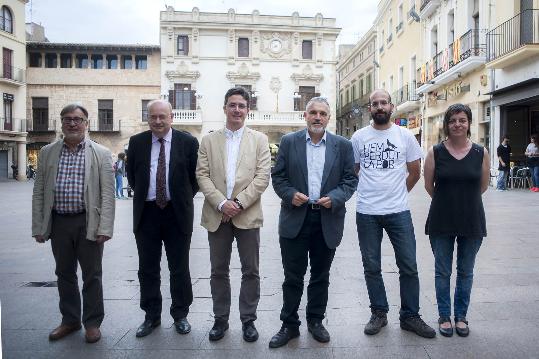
137	21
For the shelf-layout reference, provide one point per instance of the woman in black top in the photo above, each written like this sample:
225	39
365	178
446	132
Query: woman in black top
457	172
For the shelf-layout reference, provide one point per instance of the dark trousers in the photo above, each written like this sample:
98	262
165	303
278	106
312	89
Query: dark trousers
310	246
159	226
248	242
69	246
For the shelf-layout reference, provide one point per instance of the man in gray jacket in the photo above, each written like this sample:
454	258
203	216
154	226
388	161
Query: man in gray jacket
73	205
314	176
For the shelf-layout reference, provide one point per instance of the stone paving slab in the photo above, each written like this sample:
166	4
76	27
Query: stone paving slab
504	311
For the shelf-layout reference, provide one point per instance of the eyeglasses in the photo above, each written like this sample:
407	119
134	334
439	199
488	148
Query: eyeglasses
240	106
69	120
379	103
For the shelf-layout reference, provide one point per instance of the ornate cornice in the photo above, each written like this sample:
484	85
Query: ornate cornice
182	72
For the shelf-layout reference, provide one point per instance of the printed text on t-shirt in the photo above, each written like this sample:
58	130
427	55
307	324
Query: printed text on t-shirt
380	155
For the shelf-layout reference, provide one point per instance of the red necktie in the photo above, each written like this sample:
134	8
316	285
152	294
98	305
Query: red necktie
161	178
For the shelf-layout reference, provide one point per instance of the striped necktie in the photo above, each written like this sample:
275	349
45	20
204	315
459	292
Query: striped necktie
161	178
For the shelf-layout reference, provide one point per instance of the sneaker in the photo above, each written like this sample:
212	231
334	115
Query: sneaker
418	326
377	321
535	189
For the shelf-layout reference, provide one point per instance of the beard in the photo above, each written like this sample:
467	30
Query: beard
381	118
316	130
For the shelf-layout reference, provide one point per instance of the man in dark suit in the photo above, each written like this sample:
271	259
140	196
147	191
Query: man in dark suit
314	176
161	171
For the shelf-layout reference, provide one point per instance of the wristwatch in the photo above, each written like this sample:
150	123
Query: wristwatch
237	201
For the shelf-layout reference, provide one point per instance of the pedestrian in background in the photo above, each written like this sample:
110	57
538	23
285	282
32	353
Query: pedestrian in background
532	153
504	157
73	205
119	173
457	172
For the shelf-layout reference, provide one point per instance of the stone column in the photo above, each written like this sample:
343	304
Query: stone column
21	161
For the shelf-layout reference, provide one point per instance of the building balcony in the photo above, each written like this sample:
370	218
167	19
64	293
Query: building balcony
13	75
427	8
104	126
515	40
13	125
187	117
41	126
405	98
354	107
464	55
270	118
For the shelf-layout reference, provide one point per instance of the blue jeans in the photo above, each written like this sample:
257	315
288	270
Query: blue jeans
502	179
442	248
119	186
535	175
400	230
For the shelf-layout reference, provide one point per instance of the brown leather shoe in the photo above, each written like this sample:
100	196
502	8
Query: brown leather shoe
63	330
93	334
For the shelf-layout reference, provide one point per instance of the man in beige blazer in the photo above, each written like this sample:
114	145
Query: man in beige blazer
73	205
233	171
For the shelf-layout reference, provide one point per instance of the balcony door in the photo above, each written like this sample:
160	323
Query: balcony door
8	112
7	56
182	97
526	22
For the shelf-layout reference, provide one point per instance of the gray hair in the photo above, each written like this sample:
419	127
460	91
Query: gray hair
153	102
72	107
317	99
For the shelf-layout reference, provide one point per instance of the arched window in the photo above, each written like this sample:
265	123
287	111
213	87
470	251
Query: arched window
6	20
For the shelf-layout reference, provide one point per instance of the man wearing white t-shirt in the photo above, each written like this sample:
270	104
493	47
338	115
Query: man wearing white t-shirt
387	160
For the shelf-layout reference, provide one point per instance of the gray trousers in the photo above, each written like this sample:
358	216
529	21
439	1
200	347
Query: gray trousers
69	246
248	243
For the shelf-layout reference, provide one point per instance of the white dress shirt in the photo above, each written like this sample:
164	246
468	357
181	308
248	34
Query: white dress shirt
233	140
156	147
316	159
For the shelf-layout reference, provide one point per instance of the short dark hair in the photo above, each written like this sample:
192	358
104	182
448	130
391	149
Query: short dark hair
506	136
535	136
453	110
121	156
238	91
73	107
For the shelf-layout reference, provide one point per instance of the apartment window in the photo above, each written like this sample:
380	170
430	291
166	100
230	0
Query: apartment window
35	59
368	84
81	61
97	61
243	47
252	96
182	97
105	115
112	61
65	61
434	41
400	17
6	20
182	45
353	91
141	62
303	96
390	84
307	49
390	30
450	28
127	62
144	116
361	88
51	61
8	111
347	96
40	113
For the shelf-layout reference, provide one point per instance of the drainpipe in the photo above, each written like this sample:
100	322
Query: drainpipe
492	73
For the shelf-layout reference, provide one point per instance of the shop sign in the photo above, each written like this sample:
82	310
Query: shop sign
401	122
456	89
414	122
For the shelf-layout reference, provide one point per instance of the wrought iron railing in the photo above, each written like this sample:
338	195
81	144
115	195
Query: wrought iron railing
41	126
465	46
520	30
13	124
404	94
399	27
423	4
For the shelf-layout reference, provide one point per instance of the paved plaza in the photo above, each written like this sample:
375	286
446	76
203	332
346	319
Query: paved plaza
503	315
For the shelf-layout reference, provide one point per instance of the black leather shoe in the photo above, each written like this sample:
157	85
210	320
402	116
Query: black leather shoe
218	330
147	327
182	326
250	334
283	337
462	332
446	332
319	333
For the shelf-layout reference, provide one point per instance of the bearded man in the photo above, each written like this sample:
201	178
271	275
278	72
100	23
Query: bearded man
387	161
